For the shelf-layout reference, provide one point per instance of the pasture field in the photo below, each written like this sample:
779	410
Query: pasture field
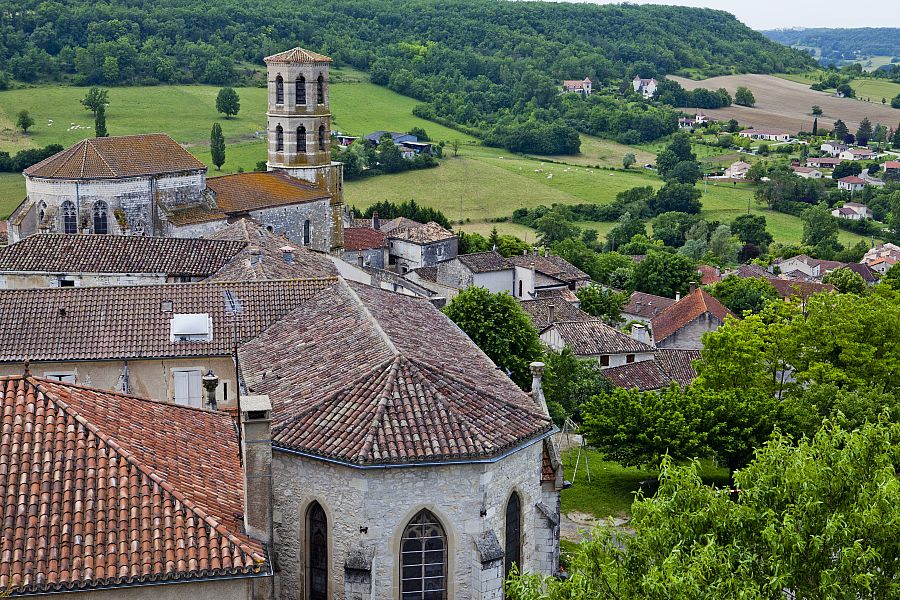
869	90
597	151
784	104
12	192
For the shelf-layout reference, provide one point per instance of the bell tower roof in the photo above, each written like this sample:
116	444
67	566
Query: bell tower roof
296	55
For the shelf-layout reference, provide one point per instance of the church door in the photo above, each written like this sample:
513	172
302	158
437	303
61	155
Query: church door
317	553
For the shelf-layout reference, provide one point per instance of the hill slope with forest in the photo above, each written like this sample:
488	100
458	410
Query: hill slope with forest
490	67
842	43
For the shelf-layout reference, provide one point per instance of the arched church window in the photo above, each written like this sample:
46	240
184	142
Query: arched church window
69	217
279	90
423	559
300	91
101	224
317	552
301	139
306	232
513	534
320	90
279	139
322	138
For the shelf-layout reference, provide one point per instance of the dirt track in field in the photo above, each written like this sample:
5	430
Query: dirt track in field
783	104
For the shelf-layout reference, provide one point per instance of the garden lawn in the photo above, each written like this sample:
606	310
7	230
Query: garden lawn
12	192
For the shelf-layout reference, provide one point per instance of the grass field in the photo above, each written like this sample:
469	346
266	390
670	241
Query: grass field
605	153
870	90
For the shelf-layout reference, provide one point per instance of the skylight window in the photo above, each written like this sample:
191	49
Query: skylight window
195	327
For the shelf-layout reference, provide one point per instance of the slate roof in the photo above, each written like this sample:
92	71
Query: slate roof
552	266
263	257
242	192
117	157
64	324
684	311
485	262
868	274
353	377
295	55
428	233
100	489
363	238
646	306
589	338
61	253
666	367
539	311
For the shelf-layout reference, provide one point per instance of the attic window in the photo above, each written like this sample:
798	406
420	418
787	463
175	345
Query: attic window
195	327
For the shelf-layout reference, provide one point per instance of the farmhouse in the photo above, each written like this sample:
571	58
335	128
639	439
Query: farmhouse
596	340
856	154
853	211
891	166
771	135
737	170
574	86
833	148
807	172
644	87
683	324
823	163
851	184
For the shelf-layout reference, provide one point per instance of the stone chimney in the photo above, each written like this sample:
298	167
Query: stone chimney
639	332
376	222
692	286
210	383
677	296
537	389
256	446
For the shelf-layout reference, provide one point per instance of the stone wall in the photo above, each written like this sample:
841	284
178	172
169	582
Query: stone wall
369	508
288	221
690	337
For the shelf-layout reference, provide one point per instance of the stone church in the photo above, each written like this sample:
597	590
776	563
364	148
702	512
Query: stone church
149	185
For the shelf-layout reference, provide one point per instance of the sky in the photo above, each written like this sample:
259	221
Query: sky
779	14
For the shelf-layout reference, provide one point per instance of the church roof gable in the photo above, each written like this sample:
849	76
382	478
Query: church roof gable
296	55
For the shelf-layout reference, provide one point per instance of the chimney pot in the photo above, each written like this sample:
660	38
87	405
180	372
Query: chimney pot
692	286
376	222
287	253
256	447
677	296
210	383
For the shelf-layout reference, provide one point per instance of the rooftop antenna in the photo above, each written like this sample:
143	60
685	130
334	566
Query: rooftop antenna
234	308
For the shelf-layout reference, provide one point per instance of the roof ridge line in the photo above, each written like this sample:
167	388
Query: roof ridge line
361	306
387	393
146	470
101	157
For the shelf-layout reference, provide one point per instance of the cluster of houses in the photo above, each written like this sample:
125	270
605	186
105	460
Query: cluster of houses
409	145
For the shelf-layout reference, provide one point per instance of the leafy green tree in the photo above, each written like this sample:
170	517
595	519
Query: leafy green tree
815	129
664	274
687	171
676	197
892	277
228	102
846	90
95	100
555	226
608	262
510	245
24	121
628	160
864	132
569	383
895	101
500	327
751	229
820	228
217	146
602	303
627	226
817	110
678	150
389	158
420	134
671	228
846	281
846	169
840	130
801	527
111	72
744	97
744	294
100	123
454	146
723	246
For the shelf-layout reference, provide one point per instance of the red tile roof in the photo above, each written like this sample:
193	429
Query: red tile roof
803	289
852	179
684	311
590	338
101	489
646	306
383	378
61	253
295	55
65	324
243	192
667	366
363	238
891	164
708	274
117	157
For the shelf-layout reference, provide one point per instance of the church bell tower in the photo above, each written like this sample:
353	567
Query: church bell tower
299	126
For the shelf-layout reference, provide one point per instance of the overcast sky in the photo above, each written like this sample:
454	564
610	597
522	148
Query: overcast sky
778	14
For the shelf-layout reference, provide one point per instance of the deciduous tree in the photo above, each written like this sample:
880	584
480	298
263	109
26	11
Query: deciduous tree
744	96
602	303
228	102
24	121
664	274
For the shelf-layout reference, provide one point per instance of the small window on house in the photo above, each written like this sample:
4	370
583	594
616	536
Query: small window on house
320	90
279	90
604	361
69	217
306	232
188	387
191	327
300	91
42	213
101	223
322	138
520	288
629	358
64	282
279	139
301	139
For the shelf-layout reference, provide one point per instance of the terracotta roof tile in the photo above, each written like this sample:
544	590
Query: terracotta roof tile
363	238
667	366
129	321
646	306
539	311
173	472
428	233
552	266
243	192
398	224
61	253
295	55
787	288
684	311
406	386
485	262
589	338
708	274
116	157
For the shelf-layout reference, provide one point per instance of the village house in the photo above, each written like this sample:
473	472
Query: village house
551	274
737	170
808	266
596	340
127	497
644	87
851	184
833	148
482	269
856	154
769	135
683	324
470	488
891	167
823	162
853	211
545	312
415	246
644	307
807	172
668	366
882	257
366	247
574	86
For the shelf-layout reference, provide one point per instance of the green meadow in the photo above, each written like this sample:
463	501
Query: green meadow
870	90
